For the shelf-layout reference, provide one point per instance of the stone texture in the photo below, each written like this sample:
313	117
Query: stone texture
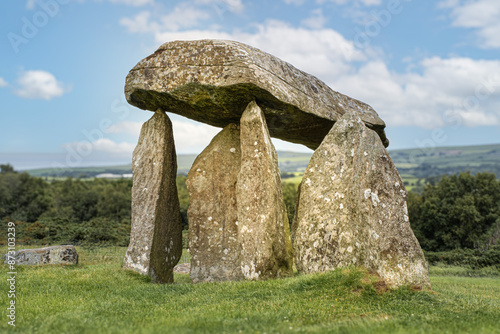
156	234
212	81
49	255
212	213
263	229
182	268
351	210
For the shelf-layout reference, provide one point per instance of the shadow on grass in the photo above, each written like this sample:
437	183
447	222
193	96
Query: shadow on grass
136	276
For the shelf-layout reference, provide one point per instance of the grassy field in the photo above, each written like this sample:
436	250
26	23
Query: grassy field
97	296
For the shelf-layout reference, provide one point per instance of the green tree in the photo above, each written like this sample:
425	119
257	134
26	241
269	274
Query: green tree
289	196
4	169
183	199
457	211
22	197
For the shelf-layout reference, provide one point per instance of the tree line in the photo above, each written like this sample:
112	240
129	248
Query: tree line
452	212
456	212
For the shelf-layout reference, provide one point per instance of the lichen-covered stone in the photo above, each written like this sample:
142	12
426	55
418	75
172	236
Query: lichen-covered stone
156	234
351	210
263	229
39	256
212	213
212	81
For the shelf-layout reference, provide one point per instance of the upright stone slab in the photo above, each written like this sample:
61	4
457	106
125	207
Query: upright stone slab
351	210
212	213
156	235
263	230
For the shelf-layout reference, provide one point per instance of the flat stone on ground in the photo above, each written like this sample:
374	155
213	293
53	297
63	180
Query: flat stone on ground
65	254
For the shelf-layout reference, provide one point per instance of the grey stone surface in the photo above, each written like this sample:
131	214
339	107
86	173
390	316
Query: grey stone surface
182	268
263	229
156	233
212	213
351	210
212	81
65	254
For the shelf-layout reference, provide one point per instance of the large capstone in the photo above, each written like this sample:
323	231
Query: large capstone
212	81
212	213
156	234
263	229
351	210
65	254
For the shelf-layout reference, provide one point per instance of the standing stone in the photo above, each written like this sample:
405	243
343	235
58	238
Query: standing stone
263	230
212	213
156	235
351	210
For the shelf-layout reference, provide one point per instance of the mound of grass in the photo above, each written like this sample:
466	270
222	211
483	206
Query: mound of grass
97	296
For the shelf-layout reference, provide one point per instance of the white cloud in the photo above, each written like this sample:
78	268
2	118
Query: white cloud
39	85
189	136
3	83
192	137
135	3
182	17
316	20
104	145
130	128
185	15
459	88
481	15
107	145
140	23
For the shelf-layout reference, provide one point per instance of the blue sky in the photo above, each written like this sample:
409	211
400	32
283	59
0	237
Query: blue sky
431	69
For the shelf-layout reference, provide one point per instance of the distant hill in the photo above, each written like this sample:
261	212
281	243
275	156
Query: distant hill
413	164
288	162
448	160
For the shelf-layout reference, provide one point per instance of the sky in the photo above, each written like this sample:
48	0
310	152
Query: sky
431	69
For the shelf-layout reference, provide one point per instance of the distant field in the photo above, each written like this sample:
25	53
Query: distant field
414	165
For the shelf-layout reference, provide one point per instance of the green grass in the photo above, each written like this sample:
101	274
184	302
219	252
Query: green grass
97	296
409	180
448	270
296	179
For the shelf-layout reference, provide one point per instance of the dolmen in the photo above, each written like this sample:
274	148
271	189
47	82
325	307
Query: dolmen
351	206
